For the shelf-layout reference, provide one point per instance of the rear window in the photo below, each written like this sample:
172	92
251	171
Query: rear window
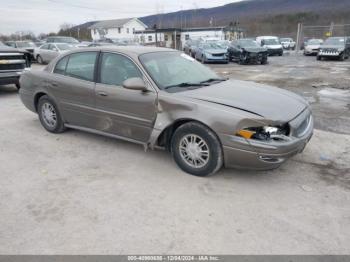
82	65
61	66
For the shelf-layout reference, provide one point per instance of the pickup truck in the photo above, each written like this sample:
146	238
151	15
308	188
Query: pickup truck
13	62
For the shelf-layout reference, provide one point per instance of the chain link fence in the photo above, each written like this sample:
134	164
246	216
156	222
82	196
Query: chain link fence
306	32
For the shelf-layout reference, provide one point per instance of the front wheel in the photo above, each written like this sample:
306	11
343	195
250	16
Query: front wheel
196	149
49	115
39	59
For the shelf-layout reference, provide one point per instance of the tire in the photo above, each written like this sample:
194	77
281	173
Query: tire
203	59
18	86
319	58
47	104
342	57
39	59
264	61
193	131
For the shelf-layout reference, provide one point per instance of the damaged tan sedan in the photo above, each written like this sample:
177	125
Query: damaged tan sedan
162	98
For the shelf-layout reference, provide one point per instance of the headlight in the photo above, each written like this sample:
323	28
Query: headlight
265	133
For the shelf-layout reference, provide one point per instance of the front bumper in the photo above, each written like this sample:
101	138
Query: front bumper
261	155
213	58
254	57
7	78
278	51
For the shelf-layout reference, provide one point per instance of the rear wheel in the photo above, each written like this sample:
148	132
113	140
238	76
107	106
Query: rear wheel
196	149
49	115
342	57
18	86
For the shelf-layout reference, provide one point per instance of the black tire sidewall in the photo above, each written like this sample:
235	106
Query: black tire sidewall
59	124
39	59
215	149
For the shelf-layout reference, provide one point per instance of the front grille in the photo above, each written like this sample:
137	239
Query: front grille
12	61
12	66
218	54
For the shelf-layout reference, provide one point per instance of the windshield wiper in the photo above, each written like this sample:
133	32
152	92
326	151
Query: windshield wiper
185	84
213	80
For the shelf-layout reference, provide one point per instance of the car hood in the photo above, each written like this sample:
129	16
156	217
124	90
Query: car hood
312	46
254	49
269	102
340	47
215	51
11	49
273	46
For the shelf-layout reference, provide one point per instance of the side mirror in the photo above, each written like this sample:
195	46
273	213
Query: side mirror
135	83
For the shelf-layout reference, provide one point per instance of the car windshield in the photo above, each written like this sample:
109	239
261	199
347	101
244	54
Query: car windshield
223	44
314	42
248	43
25	44
169	69
63	46
286	39
335	41
211	46
271	41
69	40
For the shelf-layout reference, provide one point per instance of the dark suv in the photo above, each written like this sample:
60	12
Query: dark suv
335	47
13	62
26	45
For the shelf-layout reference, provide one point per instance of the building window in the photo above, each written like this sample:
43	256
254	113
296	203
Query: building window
119	30
127	31
150	38
166	38
187	37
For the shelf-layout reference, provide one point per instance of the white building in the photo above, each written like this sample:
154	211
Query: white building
122	29
166	36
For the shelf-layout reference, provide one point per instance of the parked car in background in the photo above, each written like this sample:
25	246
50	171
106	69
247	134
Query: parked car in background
62	39
272	44
335	47
159	97
211	52
26	45
94	44
287	43
245	51
190	47
312	46
47	52
13	62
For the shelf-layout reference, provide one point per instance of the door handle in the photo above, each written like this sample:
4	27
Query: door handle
102	94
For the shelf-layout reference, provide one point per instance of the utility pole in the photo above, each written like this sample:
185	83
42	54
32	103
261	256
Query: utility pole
331	29
299	32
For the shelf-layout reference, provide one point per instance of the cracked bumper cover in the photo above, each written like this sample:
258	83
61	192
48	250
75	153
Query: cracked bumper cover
262	155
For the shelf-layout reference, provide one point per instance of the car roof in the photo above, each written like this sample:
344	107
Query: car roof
135	50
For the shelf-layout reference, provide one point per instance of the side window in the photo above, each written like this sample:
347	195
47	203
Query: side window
82	65
52	47
46	46
60	67
115	69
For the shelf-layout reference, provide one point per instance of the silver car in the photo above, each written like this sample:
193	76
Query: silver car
47	52
211	52
162	98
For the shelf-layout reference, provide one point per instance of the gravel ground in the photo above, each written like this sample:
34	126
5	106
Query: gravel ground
79	193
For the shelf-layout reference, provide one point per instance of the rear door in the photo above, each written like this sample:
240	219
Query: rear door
43	52
72	84
123	112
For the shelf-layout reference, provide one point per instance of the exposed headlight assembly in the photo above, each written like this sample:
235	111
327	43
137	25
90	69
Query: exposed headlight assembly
266	133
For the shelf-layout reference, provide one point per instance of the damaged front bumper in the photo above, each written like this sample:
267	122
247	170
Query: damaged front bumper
264	155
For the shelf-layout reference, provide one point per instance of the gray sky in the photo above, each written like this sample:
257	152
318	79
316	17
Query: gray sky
47	15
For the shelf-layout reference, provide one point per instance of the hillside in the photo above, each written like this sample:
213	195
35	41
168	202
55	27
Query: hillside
259	16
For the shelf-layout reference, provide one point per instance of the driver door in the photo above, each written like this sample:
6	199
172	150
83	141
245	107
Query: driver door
120	111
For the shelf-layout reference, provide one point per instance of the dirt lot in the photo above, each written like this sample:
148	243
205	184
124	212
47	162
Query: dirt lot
78	193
